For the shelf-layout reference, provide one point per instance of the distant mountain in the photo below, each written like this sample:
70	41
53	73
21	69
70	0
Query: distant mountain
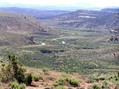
111	10
89	19
37	13
19	29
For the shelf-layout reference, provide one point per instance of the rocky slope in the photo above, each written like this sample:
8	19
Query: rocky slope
17	28
89	19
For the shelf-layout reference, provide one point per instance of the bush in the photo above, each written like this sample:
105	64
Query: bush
35	77
29	79
21	86
96	87
15	85
45	71
72	81
13	70
59	82
32	77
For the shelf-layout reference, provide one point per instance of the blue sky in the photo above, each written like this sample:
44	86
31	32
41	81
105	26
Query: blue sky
63	3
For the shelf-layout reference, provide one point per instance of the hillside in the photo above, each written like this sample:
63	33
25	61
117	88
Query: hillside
19	28
50	79
89	19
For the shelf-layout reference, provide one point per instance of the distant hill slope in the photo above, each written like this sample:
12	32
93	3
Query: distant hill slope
19	29
37	13
111	10
89	19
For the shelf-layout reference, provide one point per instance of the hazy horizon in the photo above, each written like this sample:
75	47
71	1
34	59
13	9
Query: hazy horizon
60	4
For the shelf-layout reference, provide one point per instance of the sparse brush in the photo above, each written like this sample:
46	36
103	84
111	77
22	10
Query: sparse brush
16	85
13	85
45	71
72	81
36	77
96	87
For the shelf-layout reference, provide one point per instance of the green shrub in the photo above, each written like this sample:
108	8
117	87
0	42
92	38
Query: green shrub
15	85
36	77
96	87
32	77
13	70
21	86
29	79
59	82
72	81
45	71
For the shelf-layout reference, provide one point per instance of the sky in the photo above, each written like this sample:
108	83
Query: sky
63	3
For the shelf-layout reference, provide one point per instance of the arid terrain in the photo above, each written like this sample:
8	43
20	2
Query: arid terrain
67	50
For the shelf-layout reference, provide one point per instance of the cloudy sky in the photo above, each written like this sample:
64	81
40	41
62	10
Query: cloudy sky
69	3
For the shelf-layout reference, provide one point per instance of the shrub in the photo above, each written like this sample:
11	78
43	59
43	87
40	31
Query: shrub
96	87
72	81
13	70
15	85
32	77
35	77
21	86
29	79
59	82
45	70
16	69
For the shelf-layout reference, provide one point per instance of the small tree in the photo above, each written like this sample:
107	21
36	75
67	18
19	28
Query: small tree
13	70
17	70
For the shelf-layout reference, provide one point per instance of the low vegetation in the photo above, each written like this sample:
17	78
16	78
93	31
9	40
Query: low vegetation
14	72
70	81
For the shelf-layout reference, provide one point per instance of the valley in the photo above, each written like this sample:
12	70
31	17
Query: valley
49	43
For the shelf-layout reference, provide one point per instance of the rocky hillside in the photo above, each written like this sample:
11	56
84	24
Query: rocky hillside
16	28
89	19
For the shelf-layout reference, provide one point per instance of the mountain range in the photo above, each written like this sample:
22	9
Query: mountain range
37	13
106	18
